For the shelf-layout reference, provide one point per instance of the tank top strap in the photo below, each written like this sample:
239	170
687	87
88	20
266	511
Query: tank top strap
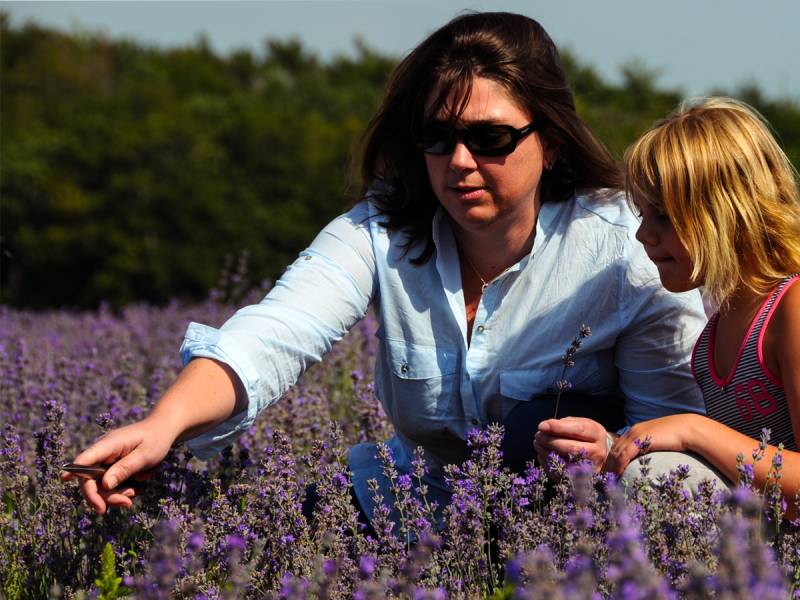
752	349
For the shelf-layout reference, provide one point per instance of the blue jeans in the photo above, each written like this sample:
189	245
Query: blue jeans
523	420
664	462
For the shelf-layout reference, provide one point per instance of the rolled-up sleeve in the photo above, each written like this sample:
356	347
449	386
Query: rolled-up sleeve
311	307
658	332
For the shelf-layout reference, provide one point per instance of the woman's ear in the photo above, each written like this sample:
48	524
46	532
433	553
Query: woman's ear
550	151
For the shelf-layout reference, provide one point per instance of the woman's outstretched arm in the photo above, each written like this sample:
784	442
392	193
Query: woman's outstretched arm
205	394
233	372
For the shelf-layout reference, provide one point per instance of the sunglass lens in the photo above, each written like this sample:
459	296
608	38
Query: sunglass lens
436	139
490	141
482	140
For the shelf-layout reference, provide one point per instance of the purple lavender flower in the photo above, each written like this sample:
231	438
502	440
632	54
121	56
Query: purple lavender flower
568	359
233	526
234	542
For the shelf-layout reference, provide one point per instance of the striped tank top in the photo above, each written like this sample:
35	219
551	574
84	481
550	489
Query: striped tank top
751	398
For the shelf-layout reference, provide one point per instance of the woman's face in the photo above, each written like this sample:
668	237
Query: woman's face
478	191
661	242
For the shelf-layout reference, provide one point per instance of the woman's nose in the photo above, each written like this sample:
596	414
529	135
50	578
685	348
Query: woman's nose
462	159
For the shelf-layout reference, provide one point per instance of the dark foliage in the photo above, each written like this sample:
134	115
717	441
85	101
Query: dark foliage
130	173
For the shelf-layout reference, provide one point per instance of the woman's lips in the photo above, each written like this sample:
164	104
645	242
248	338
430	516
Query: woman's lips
468	193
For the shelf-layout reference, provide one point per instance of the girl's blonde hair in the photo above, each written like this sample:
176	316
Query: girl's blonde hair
729	190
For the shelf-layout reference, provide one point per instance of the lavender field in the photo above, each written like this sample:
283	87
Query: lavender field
233	527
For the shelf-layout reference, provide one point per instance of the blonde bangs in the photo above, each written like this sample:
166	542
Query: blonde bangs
729	190
642	179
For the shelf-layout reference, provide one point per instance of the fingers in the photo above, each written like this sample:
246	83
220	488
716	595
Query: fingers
559	445
105	450
622	453
99	499
121	498
575	428
128	455
593	450
541	451
90	493
129	451
125	468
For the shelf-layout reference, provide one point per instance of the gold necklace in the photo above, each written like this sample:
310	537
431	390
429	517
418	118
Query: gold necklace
484	283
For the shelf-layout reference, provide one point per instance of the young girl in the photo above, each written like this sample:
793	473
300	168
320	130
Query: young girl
720	209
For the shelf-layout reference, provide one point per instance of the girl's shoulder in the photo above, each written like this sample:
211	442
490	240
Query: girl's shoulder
786	313
781	342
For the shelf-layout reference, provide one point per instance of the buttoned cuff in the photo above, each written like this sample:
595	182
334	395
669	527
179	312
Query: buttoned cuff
208	342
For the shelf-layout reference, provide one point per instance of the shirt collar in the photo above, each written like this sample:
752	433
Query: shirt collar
445	243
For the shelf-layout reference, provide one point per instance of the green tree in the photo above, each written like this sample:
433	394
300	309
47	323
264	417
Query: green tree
129	172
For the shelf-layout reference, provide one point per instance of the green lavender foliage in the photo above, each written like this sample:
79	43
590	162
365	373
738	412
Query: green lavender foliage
109	584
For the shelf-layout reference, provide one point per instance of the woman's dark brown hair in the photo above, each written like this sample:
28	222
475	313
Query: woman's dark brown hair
510	49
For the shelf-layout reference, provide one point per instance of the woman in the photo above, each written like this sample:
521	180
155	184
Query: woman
490	231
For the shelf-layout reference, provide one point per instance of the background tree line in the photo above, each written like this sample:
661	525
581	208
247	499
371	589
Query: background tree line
129	173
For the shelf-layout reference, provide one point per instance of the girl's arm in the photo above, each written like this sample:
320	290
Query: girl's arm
720	444
717	443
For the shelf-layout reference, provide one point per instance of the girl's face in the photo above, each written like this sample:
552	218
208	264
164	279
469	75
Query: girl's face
477	191
662	244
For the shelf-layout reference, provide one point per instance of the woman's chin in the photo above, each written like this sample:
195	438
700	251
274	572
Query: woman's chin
471	214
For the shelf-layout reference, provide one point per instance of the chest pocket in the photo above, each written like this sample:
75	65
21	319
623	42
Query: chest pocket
523	384
586	377
423	383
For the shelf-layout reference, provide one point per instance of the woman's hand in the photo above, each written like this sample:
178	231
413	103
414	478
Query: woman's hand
666	434
134	450
571	435
205	394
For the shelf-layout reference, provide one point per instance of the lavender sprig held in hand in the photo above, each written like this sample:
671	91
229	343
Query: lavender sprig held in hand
569	361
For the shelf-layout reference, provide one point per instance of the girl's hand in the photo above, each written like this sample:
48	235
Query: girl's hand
135	450
571	435
670	433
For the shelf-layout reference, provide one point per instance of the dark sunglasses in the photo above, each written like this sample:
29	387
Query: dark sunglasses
481	139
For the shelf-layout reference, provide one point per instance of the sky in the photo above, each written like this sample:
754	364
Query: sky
693	45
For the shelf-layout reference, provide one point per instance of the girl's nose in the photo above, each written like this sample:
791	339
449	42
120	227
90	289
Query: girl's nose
646	235
462	159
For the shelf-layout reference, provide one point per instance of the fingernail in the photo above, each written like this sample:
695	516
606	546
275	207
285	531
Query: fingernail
112	482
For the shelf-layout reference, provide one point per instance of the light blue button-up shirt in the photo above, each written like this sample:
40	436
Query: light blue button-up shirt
585	267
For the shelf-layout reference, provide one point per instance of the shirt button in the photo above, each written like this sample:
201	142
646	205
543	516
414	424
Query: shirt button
481	328
474	421
307	258
404	368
